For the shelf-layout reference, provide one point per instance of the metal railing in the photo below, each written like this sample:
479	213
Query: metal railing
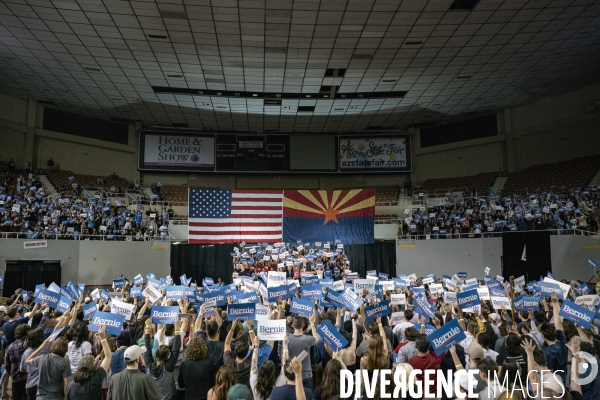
490	234
72	236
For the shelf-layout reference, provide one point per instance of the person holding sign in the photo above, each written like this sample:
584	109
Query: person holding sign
54	369
88	378
299	342
237	358
196	374
162	367
294	389
266	379
556	351
79	346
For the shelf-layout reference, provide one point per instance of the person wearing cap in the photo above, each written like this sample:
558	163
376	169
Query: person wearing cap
88	378
239	392
131	384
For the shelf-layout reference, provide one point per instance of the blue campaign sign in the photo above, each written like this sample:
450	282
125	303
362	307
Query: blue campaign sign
531	303
244	298
331	336
326	282
547	288
47	296
241	311
81	287
64	292
423	307
377	310
74	290
118	283
37	288
302	307
468	299
138	280
493	284
351	300
584	288
150	275
581	315
104	295
518	302
313	292
175	293
383	277
497	293
153	282
218	297
429	329
164	314
592	263
372	272
64	303
136	291
447	336
462	275
310	279
333	300
276	292
208	281
466	288
113	322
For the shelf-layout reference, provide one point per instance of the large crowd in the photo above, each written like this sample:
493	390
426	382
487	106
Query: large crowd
28	211
566	211
378	322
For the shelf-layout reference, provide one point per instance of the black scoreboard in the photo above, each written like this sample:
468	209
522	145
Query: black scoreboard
252	153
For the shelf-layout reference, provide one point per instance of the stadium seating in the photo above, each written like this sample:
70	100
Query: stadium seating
438	187
60	179
174	193
387	195
547	177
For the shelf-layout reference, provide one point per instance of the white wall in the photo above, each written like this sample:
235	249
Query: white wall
473	255
93	262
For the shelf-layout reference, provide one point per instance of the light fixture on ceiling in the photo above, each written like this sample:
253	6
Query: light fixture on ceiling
177	243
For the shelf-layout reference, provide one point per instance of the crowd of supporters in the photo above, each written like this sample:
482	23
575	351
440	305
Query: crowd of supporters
202	355
27	211
566	212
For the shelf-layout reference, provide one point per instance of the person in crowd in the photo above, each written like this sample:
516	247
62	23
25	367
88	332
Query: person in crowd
196	373
87	383
487	368
162	366
264	380
79	346
330	382
237	357
409	350
226	378
294	389
34	339
13	357
54	369
402	326
425	360
132	383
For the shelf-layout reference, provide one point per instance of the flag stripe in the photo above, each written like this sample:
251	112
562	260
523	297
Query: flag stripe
221	216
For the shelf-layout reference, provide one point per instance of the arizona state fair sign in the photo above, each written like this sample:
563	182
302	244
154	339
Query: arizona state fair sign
382	153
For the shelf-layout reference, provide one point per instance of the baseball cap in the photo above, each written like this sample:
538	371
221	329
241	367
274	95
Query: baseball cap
3	309
134	352
239	392
21	309
475	351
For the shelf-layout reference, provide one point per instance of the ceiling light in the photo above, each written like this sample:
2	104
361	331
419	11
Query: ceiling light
177	243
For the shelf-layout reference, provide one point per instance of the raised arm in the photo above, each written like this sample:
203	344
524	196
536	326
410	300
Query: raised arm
457	364
529	347
148	359
555	310
172	361
229	338
143	309
313	323
381	330
106	349
285	355
254	364
37	351
297	368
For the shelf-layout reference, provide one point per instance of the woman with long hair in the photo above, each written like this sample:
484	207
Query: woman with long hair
512	351
79	346
375	357
162	366
88	377
196	373
329	389
511	372
225	379
262	382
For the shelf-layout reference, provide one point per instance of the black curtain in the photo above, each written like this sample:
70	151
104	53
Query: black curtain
28	273
537	253
380	256
198	261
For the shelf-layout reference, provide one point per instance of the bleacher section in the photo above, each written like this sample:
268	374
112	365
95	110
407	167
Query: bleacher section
575	173
173	193
480	182
387	195
60	180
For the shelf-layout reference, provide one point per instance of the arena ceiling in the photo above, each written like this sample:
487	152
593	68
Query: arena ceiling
295	66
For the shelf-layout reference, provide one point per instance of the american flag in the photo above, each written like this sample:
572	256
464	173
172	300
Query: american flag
235	216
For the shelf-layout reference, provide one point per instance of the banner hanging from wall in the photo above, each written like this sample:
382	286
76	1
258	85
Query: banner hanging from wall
383	153
177	152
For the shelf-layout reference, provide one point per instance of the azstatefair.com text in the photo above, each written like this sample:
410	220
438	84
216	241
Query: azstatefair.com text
399	385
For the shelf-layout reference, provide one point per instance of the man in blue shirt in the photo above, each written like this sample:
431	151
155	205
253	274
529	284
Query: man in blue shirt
556	351
14	320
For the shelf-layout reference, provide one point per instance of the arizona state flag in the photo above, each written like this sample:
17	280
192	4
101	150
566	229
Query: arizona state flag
329	215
